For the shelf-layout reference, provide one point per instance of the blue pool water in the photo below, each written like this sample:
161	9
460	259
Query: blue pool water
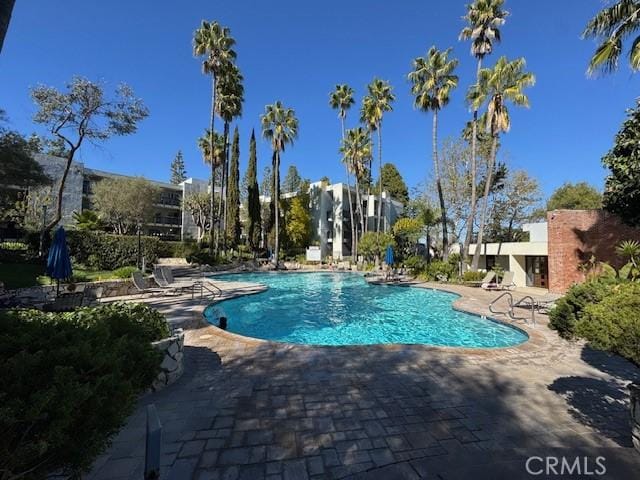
342	309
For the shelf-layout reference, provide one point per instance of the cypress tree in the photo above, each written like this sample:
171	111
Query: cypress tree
233	219
254	230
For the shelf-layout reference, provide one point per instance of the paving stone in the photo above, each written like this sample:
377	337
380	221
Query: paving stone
192	448
315	465
295	470
183	468
234	456
208	459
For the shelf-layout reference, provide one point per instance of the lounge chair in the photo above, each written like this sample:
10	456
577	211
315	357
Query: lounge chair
486	282
507	281
141	285
182	284
543	304
505	284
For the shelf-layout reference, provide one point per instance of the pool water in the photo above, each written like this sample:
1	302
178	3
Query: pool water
343	309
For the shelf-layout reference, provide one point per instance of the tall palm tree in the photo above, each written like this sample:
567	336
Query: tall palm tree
280	126
376	103
341	99
6	7
213	42
356	152
612	26
432	81
215	160
229	99
367	118
496	86
484	17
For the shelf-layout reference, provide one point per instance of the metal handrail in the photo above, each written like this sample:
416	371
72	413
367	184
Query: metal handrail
512	305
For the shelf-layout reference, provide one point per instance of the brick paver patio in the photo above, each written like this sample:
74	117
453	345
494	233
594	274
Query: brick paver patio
251	409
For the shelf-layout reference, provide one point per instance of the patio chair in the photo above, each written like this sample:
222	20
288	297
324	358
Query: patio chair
486	282
507	281
542	304
141	285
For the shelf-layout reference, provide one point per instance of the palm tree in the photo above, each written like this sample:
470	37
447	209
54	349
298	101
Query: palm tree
341	99
484	18
377	102
496	86
356	152
612	26
432	81
280	126
213	42
5	17
229	99
215	160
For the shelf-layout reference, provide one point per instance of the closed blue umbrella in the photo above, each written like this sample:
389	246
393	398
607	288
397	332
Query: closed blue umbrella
388	258
58	262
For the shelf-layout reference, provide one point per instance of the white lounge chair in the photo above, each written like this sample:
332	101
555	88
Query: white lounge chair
141	285
486	281
164	277
507	281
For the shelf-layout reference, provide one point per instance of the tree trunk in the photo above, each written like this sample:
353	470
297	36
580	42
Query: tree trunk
359	210
6	8
276	196
483	213
436	166
213	167
58	212
353	225
474	193
379	176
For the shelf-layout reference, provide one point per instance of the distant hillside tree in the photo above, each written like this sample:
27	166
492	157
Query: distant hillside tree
178	172
125	203
393	183
575	196
622	186
254	223
233	194
292	180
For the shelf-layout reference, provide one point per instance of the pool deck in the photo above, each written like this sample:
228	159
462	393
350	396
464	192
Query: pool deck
254	409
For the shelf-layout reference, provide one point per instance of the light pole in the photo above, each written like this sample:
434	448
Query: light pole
44	226
139	246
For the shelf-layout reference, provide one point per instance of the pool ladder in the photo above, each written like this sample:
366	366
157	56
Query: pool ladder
512	305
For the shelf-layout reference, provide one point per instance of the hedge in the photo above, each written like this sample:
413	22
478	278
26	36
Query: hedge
69	382
613	324
103	251
568	310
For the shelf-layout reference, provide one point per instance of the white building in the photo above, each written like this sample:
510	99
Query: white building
527	260
331	216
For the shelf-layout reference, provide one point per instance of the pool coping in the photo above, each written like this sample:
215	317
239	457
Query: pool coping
535	341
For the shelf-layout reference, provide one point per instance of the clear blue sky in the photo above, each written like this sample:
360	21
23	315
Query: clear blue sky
296	52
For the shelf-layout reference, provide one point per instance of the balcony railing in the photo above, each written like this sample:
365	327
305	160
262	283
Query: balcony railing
163	220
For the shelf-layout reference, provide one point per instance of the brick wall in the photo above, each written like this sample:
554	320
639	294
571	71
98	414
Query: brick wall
576	235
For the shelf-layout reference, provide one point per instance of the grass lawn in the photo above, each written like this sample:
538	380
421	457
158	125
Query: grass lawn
19	275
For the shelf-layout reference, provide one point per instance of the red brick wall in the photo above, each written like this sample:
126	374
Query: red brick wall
576	235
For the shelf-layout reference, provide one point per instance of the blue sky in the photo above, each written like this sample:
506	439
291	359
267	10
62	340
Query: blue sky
296	52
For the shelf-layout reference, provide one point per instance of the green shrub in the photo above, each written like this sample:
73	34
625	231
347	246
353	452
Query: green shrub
124	272
438	267
416	264
568	310
102	251
472	276
613	324
69	382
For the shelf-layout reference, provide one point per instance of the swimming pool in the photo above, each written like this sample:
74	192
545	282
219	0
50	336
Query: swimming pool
343	309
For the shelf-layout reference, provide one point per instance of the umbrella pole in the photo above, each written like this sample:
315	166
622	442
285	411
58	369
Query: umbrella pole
58	287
